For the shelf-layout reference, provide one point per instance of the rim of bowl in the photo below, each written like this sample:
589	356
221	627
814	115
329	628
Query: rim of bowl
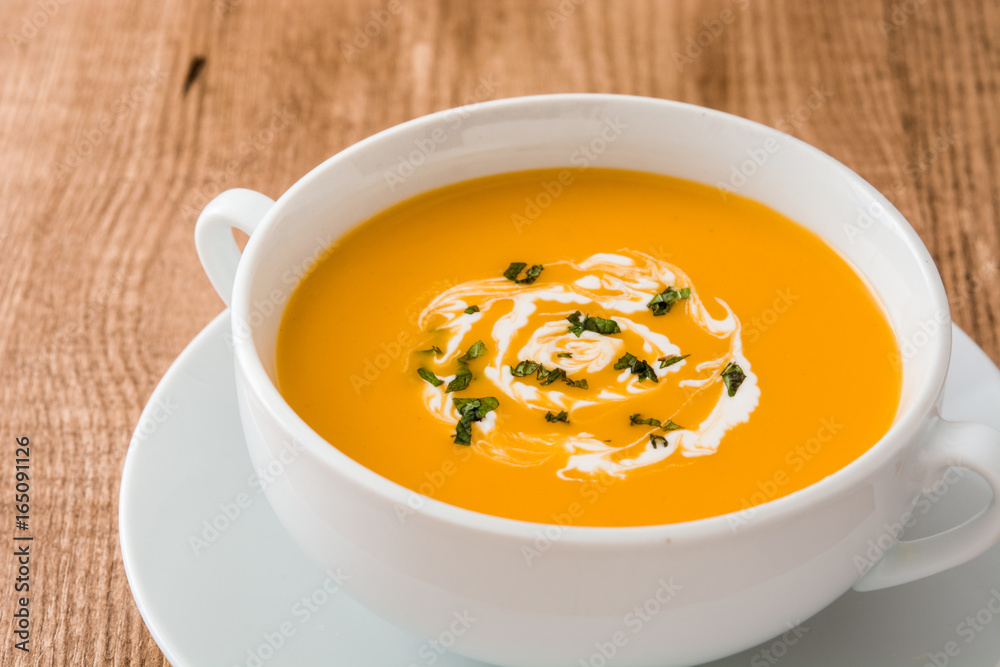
903	427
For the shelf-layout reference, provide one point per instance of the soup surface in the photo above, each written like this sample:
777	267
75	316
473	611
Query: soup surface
595	347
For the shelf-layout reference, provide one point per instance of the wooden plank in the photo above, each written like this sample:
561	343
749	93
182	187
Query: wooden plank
110	151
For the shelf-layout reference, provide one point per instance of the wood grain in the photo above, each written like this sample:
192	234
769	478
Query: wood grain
113	140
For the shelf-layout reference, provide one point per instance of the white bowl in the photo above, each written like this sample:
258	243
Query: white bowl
666	595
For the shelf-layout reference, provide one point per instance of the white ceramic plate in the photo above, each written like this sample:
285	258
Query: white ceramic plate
239	592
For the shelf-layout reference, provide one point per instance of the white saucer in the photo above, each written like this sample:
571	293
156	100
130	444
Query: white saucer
187	464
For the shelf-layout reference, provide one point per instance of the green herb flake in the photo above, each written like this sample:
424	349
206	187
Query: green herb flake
462	378
463	432
547	376
471	309
435	350
666	362
565	355
658	441
601	325
430	377
471	410
478	349
625	362
515	268
579	384
665	300
580	323
477	408
671	426
524	368
733	376
637	420
637	366
561	417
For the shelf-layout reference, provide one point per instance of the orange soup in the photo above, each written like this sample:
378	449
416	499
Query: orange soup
625	349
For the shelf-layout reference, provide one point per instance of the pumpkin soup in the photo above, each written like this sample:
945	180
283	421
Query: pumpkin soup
631	350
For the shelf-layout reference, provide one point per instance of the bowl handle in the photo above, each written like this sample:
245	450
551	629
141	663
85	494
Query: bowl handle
213	236
975	447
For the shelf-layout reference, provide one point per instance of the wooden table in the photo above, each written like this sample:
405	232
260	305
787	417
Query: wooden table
118	122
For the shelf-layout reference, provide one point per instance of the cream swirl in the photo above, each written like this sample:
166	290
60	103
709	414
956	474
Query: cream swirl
619	286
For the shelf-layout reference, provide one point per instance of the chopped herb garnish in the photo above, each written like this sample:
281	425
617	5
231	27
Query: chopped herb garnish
524	368
733	376
515	268
668	425
637	366
658	441
477	407
561	417
547	376
463	432
625	362
565	355
435	350
471	309
430	377
670	361
580	323
462	378
664	301
471	410
637	419
601	325
478	349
